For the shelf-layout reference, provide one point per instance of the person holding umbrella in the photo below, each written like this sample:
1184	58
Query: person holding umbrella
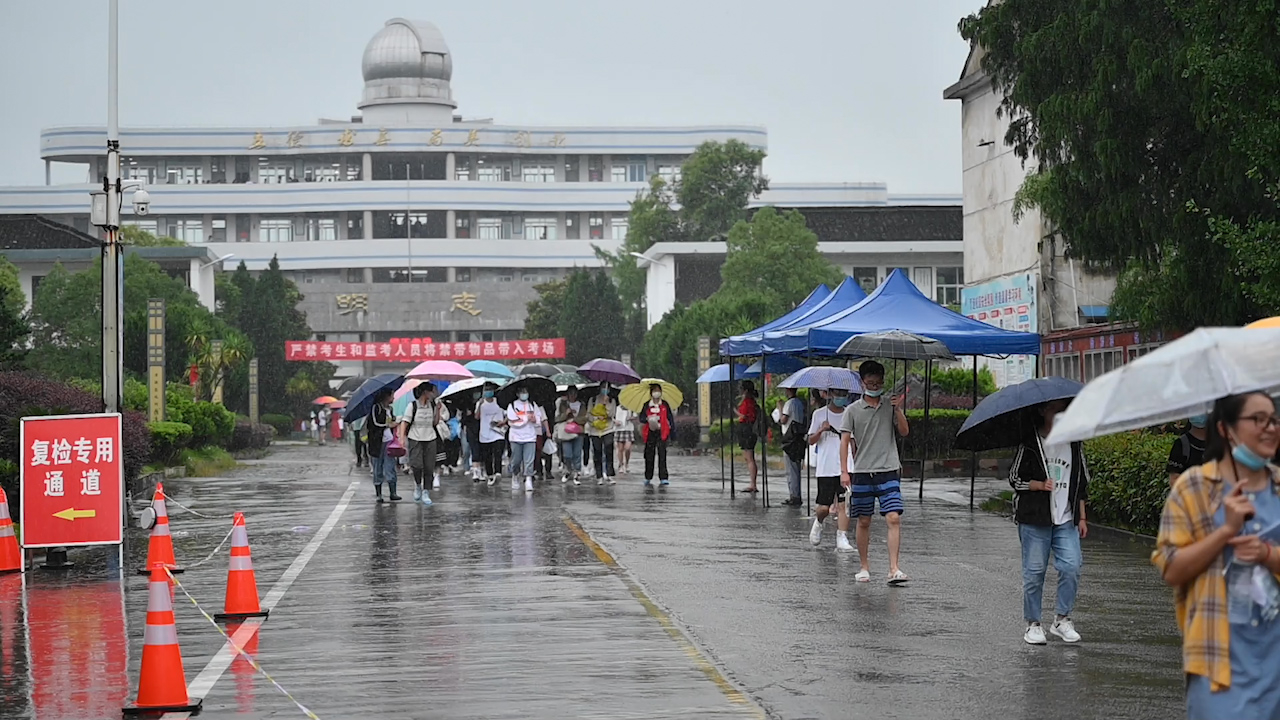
600	429
571	415
420	433
492	437
1188	450
526	420
824	435
658	424
384	466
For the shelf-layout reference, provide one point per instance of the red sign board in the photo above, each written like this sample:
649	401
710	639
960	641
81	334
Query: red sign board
413	350
72	481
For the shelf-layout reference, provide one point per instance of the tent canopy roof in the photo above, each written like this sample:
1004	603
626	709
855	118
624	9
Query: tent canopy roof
846	295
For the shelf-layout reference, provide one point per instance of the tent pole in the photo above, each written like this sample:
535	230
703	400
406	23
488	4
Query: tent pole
720	439
973	459
764	441
733	422
928	398
808	483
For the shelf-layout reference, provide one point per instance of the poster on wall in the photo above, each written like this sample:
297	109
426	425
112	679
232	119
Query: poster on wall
1008	303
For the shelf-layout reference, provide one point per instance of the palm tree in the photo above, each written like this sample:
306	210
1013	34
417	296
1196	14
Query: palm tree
215	356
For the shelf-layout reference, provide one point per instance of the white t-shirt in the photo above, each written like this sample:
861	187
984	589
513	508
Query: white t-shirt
424	419
793	408
525	419
489	413
1057	461
828	447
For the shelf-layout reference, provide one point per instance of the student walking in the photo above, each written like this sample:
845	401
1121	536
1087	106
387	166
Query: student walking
1188	450
1050	483
492	433
571	415
380	422
658	424
791	419
600	431
868	428
525	419
824	434
420	433
624	436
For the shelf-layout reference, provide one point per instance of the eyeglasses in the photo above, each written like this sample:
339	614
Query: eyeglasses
1264	421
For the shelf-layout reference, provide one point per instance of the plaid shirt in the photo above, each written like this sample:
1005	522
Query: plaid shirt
1202	604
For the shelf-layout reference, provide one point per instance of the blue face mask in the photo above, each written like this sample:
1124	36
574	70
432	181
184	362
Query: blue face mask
524	396
488	394
873	393
1248	458
840	401
1198	421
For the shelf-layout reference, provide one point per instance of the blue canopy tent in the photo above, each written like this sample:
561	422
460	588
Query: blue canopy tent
847	294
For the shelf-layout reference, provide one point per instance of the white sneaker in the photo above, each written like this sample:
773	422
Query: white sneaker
815	533
435	483
600	481
576	481
528	485
564	479
515	483
842	542
1064	629
417	493
613	481
1035	635
493	479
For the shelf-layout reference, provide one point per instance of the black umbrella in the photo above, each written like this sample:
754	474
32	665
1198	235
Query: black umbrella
895	345
545	370
541	390
1001	419
361	401
350	385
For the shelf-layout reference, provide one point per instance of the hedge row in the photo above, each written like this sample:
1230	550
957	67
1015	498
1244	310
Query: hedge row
1129	482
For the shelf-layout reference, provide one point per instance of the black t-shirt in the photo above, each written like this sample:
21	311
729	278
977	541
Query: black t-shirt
1187	452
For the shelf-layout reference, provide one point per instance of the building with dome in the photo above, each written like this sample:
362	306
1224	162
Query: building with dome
411	221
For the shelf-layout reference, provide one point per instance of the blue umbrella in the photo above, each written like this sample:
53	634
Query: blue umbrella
361	401
1000	421
489	368
779	364
720	373
822	377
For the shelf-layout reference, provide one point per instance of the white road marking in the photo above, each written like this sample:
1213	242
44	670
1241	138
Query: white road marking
203	683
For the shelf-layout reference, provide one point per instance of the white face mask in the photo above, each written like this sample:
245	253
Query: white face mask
656	395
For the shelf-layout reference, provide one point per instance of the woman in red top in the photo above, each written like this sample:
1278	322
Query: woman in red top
748	410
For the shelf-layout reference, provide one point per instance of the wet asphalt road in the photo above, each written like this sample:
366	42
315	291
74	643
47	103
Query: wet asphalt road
492	605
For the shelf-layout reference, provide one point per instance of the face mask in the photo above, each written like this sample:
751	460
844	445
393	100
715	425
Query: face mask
488	394
840	401
524	396
1248	458
656	396
873	393
604	392
476	395
1198	421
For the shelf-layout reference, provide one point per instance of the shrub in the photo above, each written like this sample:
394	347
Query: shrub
937	437
282	423
25	394
207	461
959	382
1129	483
248	436
687	433
211	423
168	440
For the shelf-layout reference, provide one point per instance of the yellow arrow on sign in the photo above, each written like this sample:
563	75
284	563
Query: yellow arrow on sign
73	514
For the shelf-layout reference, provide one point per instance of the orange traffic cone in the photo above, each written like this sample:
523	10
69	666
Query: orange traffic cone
162	684
10	554
242	588
160	549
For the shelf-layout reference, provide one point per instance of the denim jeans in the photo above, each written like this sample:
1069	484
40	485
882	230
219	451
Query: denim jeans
572	455
1037	540
523	455
384	467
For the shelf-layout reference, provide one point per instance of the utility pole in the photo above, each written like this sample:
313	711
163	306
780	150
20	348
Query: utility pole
112	258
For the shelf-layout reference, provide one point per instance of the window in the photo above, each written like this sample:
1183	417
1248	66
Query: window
151	226
866	277
355	225
618	228
571	163
218	170
489	228
242	228
321	229
355	275
533	276
462	275
493	170
1065	366
596	225
419	275
188	230
540	228
322	172
1137	351
184	175
462	226
1101	362
595	168
144	173
637	169
275	230
219	233
571	229
464	337
950	281
922	278
462	168
242	170
275	174
35	285
538	172
669	173
320	276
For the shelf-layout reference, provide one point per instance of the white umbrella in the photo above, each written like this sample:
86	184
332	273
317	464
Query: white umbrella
462	386
1179	380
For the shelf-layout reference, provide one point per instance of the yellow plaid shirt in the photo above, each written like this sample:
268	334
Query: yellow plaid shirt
1202	604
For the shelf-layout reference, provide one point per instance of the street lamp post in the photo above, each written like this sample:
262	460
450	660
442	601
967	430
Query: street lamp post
112	258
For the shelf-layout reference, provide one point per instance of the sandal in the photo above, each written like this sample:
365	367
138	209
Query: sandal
862	576
898	577
750	490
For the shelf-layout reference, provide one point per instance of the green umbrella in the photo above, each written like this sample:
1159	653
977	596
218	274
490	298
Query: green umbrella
570	378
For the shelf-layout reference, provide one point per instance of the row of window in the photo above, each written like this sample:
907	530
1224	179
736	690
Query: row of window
426	275
1086	366
418	166
438	336
945	283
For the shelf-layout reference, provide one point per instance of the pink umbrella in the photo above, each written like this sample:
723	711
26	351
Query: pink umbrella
408	387
439	370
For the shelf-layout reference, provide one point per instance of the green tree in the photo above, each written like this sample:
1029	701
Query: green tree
15	327
269	316
1146	124
544	313
136	236
775	256
591	322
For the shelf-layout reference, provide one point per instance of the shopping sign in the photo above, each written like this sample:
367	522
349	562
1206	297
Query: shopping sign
418	349
72	480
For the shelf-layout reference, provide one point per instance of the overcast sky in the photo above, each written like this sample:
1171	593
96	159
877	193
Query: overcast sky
850	90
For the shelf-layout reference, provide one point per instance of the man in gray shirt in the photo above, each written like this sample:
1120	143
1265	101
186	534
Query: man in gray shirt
869	424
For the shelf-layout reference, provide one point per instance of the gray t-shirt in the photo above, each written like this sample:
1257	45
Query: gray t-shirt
872	432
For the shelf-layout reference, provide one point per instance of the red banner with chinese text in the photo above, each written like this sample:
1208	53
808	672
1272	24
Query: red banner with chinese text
413	350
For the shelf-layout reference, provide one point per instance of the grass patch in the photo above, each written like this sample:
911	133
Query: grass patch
1002	503
209	461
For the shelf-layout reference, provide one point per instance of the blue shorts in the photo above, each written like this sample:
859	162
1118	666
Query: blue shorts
868	488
